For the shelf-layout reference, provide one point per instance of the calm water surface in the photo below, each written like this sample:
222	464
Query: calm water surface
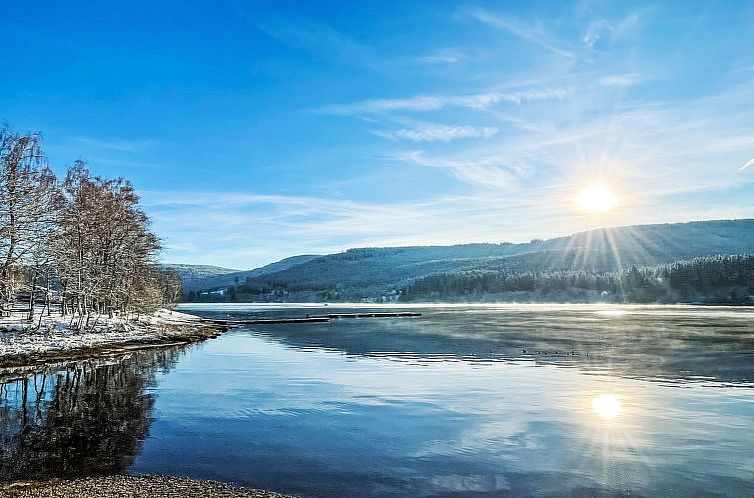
463	401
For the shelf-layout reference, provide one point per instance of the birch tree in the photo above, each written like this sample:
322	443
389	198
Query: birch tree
85	238
29	201
106	250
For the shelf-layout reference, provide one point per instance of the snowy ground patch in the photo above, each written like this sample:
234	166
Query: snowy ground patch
20	338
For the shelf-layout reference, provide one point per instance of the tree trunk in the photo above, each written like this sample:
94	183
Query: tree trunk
31	296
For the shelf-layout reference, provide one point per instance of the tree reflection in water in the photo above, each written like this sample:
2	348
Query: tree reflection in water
80	418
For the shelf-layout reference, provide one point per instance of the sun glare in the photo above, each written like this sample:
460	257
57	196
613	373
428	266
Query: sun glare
596	199
607	406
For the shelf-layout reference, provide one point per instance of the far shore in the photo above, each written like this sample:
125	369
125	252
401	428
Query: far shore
53	340
450	304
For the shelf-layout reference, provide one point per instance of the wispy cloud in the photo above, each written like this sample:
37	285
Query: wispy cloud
593	32
533	34
317	37
296	225
620	80
483	172
748	164
325	42
424	103
285	226
615	30
434	133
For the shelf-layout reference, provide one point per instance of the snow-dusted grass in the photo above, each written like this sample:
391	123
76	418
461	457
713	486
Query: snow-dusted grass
22	339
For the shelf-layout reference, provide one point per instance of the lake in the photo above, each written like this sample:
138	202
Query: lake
498	400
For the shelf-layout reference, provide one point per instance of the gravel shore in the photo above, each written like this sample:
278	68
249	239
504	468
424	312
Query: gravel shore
132	487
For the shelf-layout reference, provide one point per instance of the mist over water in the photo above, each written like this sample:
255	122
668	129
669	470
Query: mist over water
463	401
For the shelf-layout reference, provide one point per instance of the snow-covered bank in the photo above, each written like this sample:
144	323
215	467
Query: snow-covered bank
22	342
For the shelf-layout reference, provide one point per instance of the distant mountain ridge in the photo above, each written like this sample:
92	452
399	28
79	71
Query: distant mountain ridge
375	273
222	279
195	272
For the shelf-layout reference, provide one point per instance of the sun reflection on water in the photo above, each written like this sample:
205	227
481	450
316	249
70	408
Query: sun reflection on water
607	406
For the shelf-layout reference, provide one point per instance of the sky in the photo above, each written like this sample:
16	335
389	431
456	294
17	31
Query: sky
259	130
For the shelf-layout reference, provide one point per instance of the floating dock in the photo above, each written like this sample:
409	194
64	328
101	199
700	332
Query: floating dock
272	320
313	318
367	315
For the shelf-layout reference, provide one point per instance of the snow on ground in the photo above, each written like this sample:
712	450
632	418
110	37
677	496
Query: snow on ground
19	337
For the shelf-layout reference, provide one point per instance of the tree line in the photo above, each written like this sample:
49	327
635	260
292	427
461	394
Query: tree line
711	279
81	241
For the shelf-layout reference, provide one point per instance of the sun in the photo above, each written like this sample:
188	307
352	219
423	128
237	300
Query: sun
596	198
607	406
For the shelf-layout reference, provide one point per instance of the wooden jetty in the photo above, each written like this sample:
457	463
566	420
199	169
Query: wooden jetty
312	318
262	321
367	315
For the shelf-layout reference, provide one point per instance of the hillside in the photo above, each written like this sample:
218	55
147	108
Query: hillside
193	275
659	244
196	271
374	273
725	279
228	278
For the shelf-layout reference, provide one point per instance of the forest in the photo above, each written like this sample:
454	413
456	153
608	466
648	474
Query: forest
710	280
721	279
80	243
577	267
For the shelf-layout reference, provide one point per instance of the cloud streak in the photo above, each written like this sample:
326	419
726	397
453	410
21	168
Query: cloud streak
249	231
615	30
489	173
296	225
533	34
438	133
620	80
425	103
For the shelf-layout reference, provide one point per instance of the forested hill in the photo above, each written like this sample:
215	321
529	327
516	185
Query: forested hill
199	277
385	273
196	272
658	244
709	279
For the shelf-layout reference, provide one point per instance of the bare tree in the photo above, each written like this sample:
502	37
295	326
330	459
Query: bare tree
85	238
28	206
105	251
171	285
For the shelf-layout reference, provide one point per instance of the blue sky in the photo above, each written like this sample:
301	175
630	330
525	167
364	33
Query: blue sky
259	130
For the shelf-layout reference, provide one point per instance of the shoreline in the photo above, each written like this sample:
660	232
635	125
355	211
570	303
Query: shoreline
132	486
189	306
23	346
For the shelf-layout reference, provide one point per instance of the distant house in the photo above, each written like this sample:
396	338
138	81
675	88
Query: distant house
219	292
